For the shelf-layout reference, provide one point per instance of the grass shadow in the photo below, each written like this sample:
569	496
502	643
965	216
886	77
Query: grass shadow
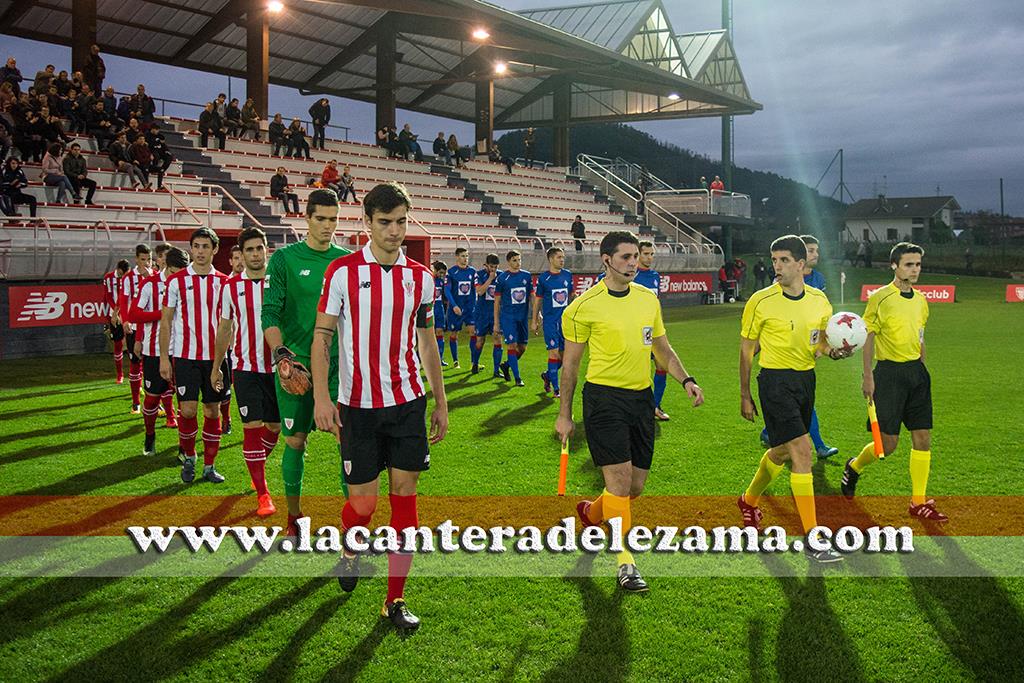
283	665
503	419
360	655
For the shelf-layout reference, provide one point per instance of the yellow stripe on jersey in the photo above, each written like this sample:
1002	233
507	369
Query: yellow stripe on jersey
898	323
788	329
620	331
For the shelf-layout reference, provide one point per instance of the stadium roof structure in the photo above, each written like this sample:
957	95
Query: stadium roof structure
608	62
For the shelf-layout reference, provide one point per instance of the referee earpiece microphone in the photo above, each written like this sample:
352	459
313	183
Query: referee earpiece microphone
609	264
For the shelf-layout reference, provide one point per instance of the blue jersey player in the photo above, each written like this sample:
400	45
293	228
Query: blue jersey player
461	301
483	324
553	293
647	276
440	304
512	313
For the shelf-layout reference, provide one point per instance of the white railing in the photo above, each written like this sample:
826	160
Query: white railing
712	202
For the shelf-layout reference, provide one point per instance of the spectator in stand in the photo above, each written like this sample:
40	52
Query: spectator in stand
233	118
761	273
77	81
63	83
12	183
53	99
703	183
221	105
98	124
495	155
279	189
579	232
162	156
529	143
453	149
69	110
134	130
211	124
320	115
717	185
250	119
51	129
441	150
94	70
44	79
7	128
392	143
78	174
110	101
142	158
11	74
7	96
53	174
276	134
143	106
297	140
382	137
407	144
330	176
122	160
348	186
124	109
87	100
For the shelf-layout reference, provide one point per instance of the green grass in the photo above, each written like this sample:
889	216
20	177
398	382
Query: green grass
66	430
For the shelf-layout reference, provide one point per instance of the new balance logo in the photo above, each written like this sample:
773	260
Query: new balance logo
365	285
43	307
304	271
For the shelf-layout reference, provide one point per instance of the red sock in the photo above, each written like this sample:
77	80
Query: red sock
135	380
255	458
168	402
188	427
269	439
211	439
149	408
403	516
119	359
225	410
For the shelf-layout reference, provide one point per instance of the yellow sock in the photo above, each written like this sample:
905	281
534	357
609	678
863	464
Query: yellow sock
766	472
920	464
803	493
866	457
596	512
618	506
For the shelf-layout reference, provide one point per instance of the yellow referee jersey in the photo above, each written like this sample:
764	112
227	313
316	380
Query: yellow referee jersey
789	329
620	331
898	323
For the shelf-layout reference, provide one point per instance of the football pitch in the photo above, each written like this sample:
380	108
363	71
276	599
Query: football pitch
67	431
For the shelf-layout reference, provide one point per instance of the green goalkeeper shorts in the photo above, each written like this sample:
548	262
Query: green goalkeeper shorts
297	411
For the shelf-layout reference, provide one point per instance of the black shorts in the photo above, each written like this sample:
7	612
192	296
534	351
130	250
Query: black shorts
787	401
192	377
903	393
152	382
116	332
256	396
619	425
129	343
373	439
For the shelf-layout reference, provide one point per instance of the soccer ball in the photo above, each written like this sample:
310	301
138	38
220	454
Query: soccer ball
846	331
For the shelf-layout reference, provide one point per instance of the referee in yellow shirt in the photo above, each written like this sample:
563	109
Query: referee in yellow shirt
788	320
621	322
900	384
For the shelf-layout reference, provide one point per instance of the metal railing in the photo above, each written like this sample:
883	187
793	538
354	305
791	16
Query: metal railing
716	202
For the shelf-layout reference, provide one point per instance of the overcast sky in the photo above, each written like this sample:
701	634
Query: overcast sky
919	94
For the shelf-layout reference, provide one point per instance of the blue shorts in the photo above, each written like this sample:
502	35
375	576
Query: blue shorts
455	322
484	325
553	338
440	318
515	331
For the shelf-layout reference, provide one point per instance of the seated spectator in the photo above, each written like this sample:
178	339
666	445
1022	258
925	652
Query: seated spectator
7	96
407	144
495	155
250	119
279	189
211	124
143	106
10	74
53	174
233	118
77	81
382	137
44	79
456	152
320	114
78	174
63	83
52	130
297	140
110	101
69	110
98	124
142	158
134	130
221	105
12	182
87	100
124	109
6	131
53	99
119	155
330	176
276	134
348	185
162	156
441	150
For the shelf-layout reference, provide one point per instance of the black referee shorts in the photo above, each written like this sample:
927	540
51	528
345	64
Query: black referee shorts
619	425
192	378
256	396
152	382
373	439
903	393
787	401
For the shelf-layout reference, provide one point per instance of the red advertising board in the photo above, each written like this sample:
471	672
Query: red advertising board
1015	293
935	294
53	305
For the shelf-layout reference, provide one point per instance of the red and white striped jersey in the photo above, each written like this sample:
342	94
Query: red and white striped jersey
129	292
151	301
242	303
195	299
377	310
111	288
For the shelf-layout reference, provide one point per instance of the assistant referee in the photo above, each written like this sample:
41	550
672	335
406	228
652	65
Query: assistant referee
621	323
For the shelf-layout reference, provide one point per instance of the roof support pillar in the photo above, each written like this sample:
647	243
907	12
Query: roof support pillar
386	53
562	105
257	59
83	31
484	114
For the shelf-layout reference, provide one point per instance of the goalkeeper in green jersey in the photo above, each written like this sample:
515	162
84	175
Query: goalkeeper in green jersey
295	277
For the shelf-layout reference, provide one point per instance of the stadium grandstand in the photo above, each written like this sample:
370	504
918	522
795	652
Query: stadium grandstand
470	61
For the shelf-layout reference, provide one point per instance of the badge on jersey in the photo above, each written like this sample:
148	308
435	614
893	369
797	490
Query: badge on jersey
560	297
348	467
288	422
243	410
518	295
464	288
648	336
182	390
815	336
490	292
